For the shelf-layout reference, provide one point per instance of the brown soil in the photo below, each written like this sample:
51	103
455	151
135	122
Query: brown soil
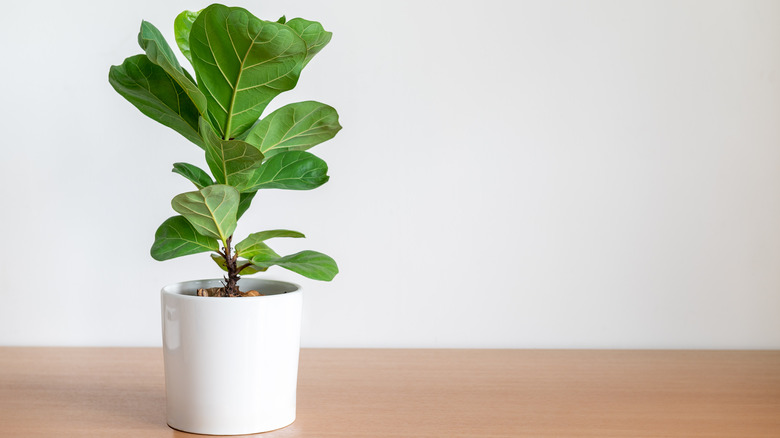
220	292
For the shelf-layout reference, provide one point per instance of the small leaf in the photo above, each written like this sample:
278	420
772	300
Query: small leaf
249	270
212	210
195	174
281	19
245	200
260	250
250	247
231	161
312	34
147	86
291	170
311	264
297	126
176	237
242	63
182	26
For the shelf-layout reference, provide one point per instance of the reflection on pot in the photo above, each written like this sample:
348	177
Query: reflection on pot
171	328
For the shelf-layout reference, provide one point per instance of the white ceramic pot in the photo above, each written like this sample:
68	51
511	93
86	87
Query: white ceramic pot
231	364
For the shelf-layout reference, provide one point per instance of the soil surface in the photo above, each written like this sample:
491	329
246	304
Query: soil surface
220	292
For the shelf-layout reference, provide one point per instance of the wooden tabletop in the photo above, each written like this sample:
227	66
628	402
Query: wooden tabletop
119	392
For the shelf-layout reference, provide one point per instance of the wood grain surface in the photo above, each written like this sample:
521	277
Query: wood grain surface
119	392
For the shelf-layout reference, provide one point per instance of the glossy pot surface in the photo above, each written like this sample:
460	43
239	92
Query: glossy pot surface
231	364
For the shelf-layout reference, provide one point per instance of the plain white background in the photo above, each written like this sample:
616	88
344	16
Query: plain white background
601	174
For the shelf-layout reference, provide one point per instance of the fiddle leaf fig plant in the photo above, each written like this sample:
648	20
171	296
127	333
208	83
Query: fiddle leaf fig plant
240	63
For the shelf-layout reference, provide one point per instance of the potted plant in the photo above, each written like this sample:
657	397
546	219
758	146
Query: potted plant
231	345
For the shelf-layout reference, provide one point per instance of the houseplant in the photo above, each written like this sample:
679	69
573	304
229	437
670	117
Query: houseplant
241	63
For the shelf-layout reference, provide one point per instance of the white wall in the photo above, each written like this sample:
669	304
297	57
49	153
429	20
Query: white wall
510	174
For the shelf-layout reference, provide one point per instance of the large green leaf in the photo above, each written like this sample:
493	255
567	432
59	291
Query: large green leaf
242	63
312	33
253	245
249	270
244	202
231	161
311	264
291	170
195	174
297	126
182	26
177	237
147	86
211	210
159	52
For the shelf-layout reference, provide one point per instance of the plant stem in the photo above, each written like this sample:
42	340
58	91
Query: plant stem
231	281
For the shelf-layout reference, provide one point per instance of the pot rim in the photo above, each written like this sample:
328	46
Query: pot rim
296	289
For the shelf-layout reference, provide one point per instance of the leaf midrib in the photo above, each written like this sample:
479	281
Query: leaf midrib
295	123
214	217
186	240
228	125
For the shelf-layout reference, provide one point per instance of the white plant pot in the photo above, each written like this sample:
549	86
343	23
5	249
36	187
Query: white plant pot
231	364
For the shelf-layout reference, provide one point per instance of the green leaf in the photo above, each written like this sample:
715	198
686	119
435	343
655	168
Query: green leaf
253	245
182	26
211	210
148	87
312	34
177	237
291	170
297	126
249	270
159	52
195	174
311	264
245	200
281	19
261	250
242	63
231	161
